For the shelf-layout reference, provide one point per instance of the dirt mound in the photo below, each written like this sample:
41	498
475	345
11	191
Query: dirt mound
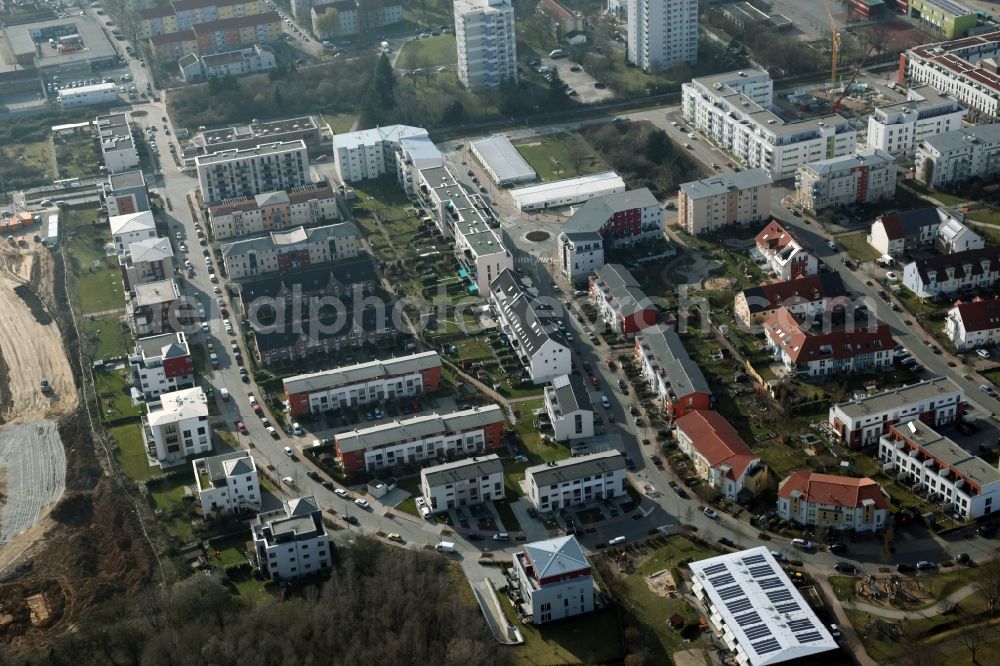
74	509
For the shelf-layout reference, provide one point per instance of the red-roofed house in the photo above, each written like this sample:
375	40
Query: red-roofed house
720	455
564	21
814	353
974	324
805	297
783	254
825	500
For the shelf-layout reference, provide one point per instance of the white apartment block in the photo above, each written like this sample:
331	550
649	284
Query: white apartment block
227	483
124	192
953	273
955	157
161	364
551	580
964	485
252	60
289	249
363	383
117	145
734	111
477	245
562	484
974	324
176	426
228	174
415	153
899	128
708	205
291	542
487	46
370	153
568	405
662	33
301	207
860	422
866	177
132	228
463	482
963	68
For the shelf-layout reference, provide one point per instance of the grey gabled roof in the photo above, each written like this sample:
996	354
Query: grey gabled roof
519	309
571	469
592	216
666	347
571	394
235	463
624	289
461	470
352	374
961	138
418	427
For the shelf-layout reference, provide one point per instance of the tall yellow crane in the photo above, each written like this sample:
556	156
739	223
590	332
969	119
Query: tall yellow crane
834	48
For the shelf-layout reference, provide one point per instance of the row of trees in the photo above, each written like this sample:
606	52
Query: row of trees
382	606
643	155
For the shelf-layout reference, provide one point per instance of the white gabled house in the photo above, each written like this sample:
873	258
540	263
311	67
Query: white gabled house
974	323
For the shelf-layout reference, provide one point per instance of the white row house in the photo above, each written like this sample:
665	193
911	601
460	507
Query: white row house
895	233
463	482
561	484
569	408
953	273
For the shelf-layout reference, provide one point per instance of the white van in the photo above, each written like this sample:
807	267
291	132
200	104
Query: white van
445	547
224	392
616	541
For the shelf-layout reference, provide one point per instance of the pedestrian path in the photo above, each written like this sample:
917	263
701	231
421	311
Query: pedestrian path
930	611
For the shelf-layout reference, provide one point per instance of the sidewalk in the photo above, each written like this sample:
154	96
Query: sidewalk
849	638
930	611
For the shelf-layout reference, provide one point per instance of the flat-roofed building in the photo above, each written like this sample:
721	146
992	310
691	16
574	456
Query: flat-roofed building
501	161
866	177
463	482
562	484
486	42
947	16
963	68
419	438
291	542
117	146
568	192
956	157
304	206
149	306
176	426
568	405
714	203
363	383
161	364
744	595
124	193
962	484
247	172
256	132
899	128
99	93
369	153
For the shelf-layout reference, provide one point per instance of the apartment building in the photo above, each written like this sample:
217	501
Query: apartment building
176	426
835	502
302	334
227	483
950	18
563	484
964	485
184	14
974	324
427	437
469	223
117	146
734	111
291	542
463	482
895	234
620	301
247	172
898	128
608	222
271	211
99	93
487	44
859	423
952	274
149	260
353	17
806	297
963	68
370	153
708	205
290	249
955	157
532	331
662	33
124	193
162	364
570	411
415	154
868	176
217	37
551	580
720	456
252	60
171	47
150	307
363	383
252	134
856	347
783	255
674	378
131	228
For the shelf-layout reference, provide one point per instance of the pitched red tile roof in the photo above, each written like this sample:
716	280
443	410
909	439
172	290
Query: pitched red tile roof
833	490
229	207
717	440
803	346
799	290
774	237
979	314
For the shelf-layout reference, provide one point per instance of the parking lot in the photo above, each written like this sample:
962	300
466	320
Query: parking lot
580	81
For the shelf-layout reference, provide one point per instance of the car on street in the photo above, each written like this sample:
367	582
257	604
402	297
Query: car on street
501	536
725	541
845	568
681	492
394	536
288	451
905	567
340	492
804	544
272	432
987	389
605	402
934	349
363	503
297	430
837	547
711	513
830	244
890	276
348	518
983	353
924	565
656	461
312	474
241	428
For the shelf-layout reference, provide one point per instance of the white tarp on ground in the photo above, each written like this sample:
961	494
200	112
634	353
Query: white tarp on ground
33	472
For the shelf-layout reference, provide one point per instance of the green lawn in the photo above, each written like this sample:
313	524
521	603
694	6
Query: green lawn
104	336
251	591
231	550
857	247
166	495
507	517
98	279
25	165
943	197
410	484
553	156
987	216
430	52
77	156
180	527
100	289
532	444
594	638
131	452
339	122
115	403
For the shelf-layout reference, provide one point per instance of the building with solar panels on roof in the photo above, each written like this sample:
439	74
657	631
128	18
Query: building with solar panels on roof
757	613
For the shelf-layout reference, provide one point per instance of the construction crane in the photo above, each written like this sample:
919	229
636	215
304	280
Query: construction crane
854	76
834	48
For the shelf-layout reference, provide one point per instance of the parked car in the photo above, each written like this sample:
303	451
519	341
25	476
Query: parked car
837	548
363	503
924	565
802	543
340	492
241	428
501	536
289	452
983	353
845	568
725	541
711	513
311	473
348	518
905	567
297	430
